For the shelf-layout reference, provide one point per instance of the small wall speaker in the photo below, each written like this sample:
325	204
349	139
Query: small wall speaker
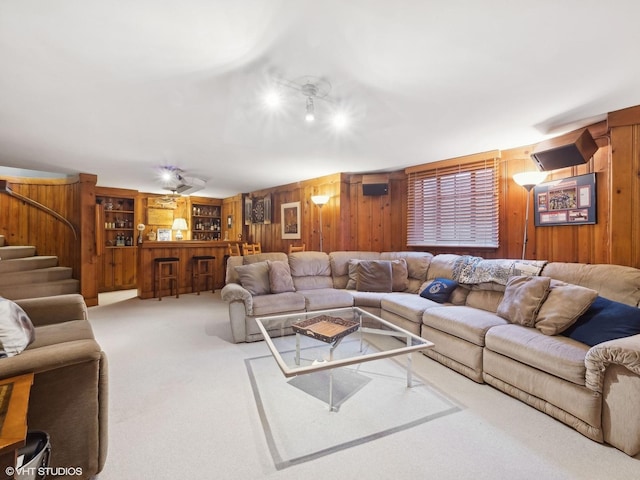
574	148
375	189
375	185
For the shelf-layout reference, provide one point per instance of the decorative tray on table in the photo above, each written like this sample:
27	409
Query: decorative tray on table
326	328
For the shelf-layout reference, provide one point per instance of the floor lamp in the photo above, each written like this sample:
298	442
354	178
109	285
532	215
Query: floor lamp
320	200
528	180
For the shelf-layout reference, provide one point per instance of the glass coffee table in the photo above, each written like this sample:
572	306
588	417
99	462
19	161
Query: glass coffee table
318	339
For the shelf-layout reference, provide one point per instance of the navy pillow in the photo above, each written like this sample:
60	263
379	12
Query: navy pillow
605	320
439	290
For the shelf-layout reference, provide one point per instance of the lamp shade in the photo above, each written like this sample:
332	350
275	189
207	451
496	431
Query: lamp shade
179	224
529	180
320	199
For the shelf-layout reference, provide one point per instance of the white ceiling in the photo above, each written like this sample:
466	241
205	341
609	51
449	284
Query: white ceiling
119	88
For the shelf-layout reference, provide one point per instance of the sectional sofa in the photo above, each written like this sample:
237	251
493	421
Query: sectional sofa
531	329
70	388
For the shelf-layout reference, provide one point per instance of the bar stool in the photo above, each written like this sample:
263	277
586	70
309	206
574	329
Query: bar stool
203	266
165	268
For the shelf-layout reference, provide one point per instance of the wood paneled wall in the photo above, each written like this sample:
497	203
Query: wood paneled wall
334	228
354	221
74	199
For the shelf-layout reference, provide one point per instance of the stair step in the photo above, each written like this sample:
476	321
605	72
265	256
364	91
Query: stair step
7	253
28	263
44	289
50	274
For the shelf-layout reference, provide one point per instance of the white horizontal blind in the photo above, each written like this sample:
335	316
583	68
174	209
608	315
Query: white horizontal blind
454	205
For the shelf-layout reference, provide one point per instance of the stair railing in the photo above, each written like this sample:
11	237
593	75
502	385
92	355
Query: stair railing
5	188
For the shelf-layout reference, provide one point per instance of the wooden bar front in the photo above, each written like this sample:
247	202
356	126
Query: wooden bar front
185	250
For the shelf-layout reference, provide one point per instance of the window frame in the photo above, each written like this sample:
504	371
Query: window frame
455	203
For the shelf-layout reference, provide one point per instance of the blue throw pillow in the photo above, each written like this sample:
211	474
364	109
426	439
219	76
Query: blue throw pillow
605	320
439	290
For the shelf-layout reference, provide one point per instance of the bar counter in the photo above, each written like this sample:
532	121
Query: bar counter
184	250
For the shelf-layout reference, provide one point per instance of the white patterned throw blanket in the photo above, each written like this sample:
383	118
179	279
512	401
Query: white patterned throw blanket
473	270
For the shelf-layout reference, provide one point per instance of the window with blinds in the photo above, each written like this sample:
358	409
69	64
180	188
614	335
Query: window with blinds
454	205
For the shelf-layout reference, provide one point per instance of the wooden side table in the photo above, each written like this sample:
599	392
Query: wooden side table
13	431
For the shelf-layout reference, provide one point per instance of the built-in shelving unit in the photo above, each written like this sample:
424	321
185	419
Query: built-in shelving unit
205	222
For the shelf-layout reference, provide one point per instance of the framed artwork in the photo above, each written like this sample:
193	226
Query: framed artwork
290	219
248	210
164	234
570	201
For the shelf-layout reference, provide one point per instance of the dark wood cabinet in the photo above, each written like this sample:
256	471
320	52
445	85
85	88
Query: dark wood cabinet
116	220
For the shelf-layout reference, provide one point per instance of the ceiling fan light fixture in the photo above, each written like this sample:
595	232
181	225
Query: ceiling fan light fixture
273	99
310	113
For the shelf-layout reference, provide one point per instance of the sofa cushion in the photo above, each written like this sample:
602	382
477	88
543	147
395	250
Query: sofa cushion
564	304
615	282
367	299
310	270
326	298
275	304
464	322
374	276
605	320
255	278
523	297
16	329
557	355
442	266
418	264
280	280
439	290
407	305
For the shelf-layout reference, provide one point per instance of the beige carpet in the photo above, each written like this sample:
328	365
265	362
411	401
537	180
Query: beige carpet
182	407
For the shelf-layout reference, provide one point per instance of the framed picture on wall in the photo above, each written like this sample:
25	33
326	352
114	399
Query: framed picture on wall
569	201
290	220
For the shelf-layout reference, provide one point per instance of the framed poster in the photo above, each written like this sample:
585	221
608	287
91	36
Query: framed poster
570	201
164	234
290	219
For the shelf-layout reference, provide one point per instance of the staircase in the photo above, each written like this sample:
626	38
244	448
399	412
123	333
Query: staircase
23	274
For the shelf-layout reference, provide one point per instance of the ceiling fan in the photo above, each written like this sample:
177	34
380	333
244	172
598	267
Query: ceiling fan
175	180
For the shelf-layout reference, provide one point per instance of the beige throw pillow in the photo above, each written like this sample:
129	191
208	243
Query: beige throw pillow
352	266
523	298
400	275
563	306
280	280
255	277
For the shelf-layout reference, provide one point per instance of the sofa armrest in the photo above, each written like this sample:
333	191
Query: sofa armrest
232	292
50	357
622	351
54	309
